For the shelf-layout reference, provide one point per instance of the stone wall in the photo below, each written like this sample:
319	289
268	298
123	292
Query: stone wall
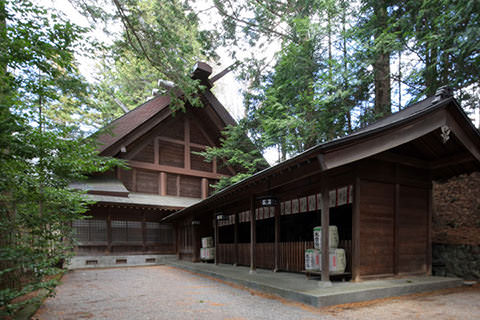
458	260
456	227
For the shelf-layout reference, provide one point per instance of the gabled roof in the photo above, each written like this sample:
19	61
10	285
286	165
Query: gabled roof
143	114
413	122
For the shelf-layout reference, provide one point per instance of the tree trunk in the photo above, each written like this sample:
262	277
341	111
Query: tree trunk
381	65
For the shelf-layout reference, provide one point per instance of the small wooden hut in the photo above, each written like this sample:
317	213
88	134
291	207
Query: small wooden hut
375	185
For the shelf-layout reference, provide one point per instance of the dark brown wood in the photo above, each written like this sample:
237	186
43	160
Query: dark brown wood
215	165
429	233
325	231
396	226
253	234
187	143
235	239
163	183
156	151
403	159
204	188
356	230
215	222
452	160
178	186
195	243
277	236
174	170
109	231
464	138
144	232
134	180
181	142
376	144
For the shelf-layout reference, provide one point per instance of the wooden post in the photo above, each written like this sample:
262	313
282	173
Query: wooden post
396	225
277	236
215	223
195	244
204	188
235	236
134	180
144	232
163	184
429	232
356	230
178	185
325	231
109	231
186	137
253	235
156	150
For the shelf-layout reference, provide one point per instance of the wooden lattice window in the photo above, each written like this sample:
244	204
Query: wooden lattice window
90	230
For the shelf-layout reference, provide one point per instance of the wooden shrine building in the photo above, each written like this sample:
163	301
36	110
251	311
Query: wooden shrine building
375	185
165	174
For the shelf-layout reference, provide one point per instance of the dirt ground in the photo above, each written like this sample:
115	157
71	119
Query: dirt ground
163	292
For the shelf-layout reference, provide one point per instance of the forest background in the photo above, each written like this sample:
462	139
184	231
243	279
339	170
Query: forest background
311	71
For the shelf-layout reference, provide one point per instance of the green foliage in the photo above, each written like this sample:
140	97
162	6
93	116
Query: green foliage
238	152
160	40
40	154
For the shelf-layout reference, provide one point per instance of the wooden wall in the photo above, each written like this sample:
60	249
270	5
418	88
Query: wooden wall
394	220
165	161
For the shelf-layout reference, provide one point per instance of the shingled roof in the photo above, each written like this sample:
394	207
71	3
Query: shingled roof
385	134
140	116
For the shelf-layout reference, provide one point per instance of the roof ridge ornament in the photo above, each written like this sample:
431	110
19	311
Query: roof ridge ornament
442	93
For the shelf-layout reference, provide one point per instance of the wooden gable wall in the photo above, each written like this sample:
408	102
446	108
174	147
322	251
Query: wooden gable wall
164	162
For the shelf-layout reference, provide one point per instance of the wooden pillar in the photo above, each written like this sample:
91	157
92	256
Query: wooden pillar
163	184
216	235
356	230
109	230
144	232
195	244
325	231
428	258
277	236
253	235
235	238
396	225
204	188
134	180
178	185
187	164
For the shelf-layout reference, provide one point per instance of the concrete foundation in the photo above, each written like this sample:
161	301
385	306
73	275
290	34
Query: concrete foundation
297	287
81	262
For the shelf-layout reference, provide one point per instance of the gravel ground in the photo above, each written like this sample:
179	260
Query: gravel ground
163	292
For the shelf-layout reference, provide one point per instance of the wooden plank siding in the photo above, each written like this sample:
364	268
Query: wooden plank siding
377	224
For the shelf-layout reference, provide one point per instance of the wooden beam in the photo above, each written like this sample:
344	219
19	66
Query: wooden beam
356	230
186	152
325	231
195	244
452	160
253	235
277	236
204	188
180	142
214	162
392	138
463	137
402	159
174	170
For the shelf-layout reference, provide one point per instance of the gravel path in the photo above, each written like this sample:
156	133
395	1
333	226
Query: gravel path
163	292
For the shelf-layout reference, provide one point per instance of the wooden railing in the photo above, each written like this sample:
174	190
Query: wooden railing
291	254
